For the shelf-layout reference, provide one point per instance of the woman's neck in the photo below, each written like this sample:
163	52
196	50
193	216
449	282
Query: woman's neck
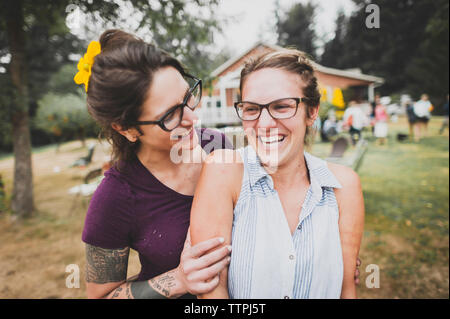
156	159
293	173
163	160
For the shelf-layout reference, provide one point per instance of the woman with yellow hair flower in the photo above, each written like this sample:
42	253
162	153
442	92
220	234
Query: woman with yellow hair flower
144	102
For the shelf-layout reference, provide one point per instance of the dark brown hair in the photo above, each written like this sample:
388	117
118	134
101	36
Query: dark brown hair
293	61
121	77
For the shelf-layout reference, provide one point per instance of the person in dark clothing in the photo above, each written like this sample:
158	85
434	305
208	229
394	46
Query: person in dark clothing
144	101
445	121
411	118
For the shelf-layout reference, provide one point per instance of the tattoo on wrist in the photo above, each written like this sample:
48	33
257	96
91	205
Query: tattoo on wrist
156	288
106	265
116	293
143	290
128	291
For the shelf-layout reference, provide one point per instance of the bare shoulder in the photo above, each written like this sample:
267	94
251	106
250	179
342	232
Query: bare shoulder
346	176
224	156
349	197
223	168
224	161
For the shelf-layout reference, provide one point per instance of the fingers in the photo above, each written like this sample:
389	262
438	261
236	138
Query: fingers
201	248
205	287
206	260
210	272
357	276
213	257
201	264
358	263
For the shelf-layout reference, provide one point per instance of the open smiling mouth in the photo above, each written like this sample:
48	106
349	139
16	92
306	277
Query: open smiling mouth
271	140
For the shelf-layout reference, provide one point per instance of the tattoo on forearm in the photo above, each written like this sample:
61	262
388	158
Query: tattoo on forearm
106	265
110	265
116	293
121	292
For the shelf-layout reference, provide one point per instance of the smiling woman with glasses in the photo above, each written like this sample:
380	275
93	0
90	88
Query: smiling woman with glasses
295	221
144	101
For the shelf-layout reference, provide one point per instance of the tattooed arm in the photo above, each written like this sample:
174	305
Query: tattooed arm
106	271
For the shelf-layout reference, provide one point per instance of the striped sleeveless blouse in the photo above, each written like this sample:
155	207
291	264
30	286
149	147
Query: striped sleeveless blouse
268	262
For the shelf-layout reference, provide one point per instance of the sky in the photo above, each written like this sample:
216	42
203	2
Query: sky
253	20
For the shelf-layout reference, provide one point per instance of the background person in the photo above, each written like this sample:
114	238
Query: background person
411	118
373	105
422	109
381	123
445	121
330	127
355	119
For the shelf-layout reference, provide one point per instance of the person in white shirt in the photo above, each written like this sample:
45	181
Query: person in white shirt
422	109
294	220
355	119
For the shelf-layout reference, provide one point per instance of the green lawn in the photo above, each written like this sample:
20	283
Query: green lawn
406	194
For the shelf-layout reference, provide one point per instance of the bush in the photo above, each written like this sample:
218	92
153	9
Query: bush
325	107
64	117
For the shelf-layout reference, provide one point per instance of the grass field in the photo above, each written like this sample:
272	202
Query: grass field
406	193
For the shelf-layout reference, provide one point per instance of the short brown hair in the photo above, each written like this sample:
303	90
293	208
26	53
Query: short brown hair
119	84
293	61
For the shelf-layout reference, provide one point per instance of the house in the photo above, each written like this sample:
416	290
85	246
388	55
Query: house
217	107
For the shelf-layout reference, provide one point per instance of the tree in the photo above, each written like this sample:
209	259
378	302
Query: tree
22	202
428	71
296	28
409	50
333	49
34	35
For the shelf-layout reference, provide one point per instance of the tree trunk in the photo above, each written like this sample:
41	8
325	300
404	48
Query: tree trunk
22	197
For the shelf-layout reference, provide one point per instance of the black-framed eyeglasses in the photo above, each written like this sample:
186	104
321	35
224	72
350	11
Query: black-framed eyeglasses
172	118
279	109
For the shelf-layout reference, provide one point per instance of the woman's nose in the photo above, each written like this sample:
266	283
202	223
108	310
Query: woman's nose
189	117
265	119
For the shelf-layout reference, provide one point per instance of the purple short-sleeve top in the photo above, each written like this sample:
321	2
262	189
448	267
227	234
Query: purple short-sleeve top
132	208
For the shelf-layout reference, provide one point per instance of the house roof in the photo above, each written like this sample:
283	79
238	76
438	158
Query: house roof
349	73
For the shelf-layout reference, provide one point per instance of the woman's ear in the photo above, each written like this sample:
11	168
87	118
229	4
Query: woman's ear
131	134
313	112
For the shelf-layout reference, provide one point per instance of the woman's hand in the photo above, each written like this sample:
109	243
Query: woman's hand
201	264
358	263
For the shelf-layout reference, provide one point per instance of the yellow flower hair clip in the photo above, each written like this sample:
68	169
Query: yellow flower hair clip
85	64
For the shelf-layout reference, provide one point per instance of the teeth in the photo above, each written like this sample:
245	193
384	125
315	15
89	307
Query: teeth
271	139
